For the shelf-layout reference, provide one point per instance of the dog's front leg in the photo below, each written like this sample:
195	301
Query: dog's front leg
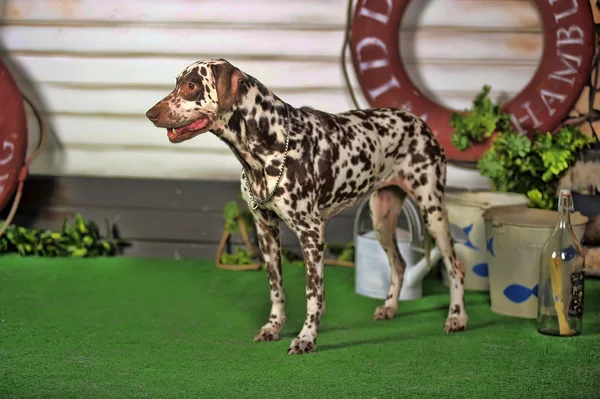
312	241
268	240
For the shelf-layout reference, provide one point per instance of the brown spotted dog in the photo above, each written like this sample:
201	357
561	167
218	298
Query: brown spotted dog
302	166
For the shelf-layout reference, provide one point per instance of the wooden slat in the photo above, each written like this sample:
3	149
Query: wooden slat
141	162
137	102
500	14
162	71
167	194
130	130
456	85
171	163
443	75
213	42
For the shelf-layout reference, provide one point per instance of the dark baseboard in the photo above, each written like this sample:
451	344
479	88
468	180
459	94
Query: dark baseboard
162	218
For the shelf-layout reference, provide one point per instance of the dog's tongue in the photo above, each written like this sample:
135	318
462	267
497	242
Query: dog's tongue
196	125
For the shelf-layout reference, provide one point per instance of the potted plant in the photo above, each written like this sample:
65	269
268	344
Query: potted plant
514	162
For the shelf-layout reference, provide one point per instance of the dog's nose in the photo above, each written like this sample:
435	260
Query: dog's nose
153	114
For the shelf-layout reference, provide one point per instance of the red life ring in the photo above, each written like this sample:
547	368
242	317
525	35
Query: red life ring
565	66
13	135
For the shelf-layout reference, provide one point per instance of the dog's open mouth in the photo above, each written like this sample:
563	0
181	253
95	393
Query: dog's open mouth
187	131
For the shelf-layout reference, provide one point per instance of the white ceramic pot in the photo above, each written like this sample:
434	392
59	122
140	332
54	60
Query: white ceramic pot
516	237
465	212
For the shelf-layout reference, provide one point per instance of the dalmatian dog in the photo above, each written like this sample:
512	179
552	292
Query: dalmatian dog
301	166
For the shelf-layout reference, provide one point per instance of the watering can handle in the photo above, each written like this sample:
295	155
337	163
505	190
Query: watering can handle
416	273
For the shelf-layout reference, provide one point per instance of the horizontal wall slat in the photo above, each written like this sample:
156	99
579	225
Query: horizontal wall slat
136	103
443	76
131	130
102	130
150	163
501	14
159	163
138	130
161	71
168	194
126	193
68	99
424	44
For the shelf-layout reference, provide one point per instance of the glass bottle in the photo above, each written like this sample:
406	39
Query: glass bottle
560	289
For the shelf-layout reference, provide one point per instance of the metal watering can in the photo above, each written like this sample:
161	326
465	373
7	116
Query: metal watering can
373	272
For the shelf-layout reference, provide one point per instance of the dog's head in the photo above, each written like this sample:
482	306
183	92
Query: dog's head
203	91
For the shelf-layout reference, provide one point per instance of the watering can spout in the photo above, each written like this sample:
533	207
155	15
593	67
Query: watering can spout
416	274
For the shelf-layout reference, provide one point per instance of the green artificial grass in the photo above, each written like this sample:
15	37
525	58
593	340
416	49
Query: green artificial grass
133	328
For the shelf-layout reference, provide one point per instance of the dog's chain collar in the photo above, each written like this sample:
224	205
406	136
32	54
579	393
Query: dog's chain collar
252	202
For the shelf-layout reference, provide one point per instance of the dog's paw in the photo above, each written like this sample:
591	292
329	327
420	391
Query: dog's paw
455	323
267	334
301	345
384	313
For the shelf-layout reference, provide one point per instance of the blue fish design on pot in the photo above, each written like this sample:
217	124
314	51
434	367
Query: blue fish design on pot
518	293
462	235
481	269
490	246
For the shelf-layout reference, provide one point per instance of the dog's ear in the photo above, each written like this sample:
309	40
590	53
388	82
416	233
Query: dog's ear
228	80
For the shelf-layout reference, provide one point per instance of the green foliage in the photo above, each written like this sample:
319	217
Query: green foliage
239	257
232	214
80	239
479	123
342	252
515	163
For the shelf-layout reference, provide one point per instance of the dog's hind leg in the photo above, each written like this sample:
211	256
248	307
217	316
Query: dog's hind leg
428	188
385	205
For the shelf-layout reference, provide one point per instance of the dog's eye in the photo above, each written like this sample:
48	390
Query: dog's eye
191	86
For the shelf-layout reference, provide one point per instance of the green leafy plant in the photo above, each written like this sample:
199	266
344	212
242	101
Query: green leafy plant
239	257
478	123
514	162
232	214
345	253
80	239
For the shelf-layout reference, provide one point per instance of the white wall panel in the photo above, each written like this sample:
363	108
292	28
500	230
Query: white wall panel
96	66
